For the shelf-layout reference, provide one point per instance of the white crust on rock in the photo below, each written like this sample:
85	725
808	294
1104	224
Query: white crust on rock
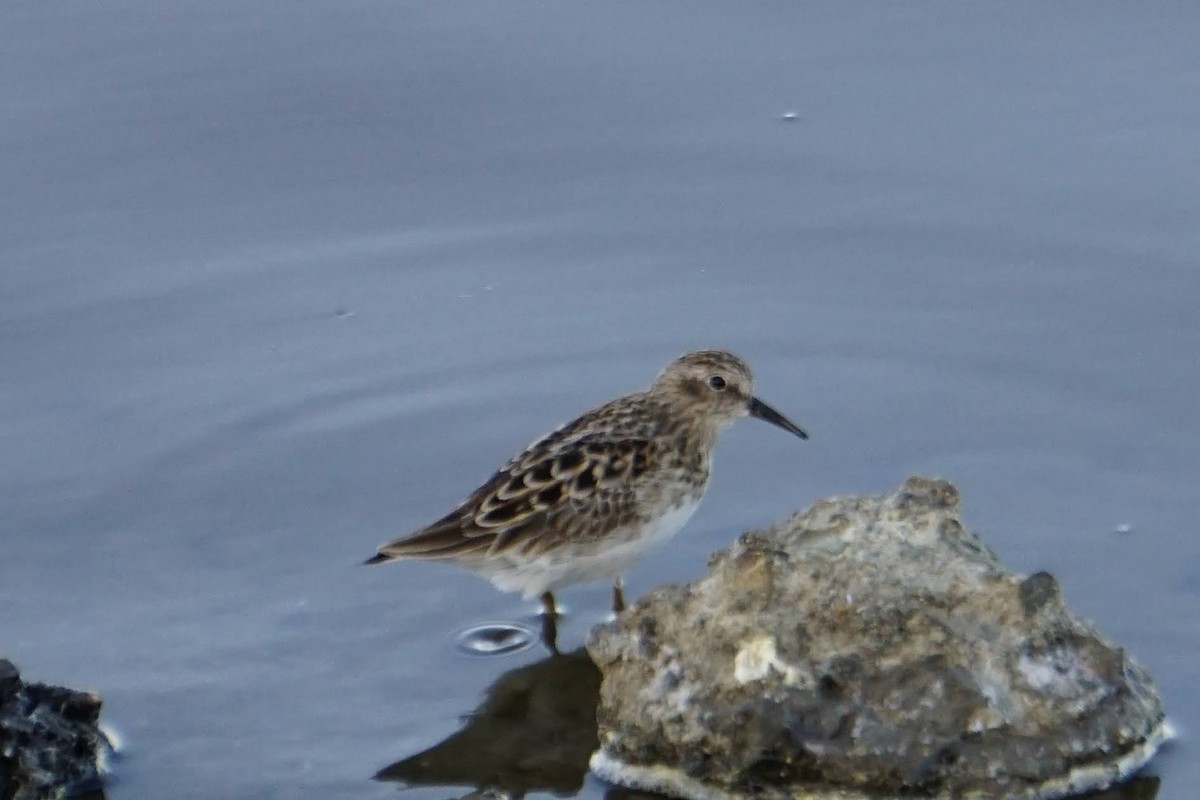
674	783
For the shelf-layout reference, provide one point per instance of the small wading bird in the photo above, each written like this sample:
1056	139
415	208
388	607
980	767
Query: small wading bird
589	499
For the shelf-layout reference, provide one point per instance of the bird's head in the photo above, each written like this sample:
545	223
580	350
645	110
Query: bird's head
717	387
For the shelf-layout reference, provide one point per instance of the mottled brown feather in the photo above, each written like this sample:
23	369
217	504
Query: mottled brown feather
580	479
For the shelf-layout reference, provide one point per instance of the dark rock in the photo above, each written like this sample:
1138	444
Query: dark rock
50	740
10	679
868	646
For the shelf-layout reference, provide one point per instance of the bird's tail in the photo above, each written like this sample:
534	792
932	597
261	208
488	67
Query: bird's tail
378	558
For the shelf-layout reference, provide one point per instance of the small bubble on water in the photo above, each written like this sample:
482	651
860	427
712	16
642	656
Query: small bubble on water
789	116
495	638
1124	527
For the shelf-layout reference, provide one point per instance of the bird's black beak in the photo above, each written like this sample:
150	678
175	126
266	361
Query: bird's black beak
764	412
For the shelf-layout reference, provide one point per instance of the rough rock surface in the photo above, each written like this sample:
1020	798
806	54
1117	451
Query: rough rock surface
867	647
50	741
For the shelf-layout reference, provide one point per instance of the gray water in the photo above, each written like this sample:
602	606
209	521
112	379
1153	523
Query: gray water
282	281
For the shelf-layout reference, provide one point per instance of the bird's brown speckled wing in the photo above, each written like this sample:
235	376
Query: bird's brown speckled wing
572	484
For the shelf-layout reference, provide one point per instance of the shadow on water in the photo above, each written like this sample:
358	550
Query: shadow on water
535	731
1144	787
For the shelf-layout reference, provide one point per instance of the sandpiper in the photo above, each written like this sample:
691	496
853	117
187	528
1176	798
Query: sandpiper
590	498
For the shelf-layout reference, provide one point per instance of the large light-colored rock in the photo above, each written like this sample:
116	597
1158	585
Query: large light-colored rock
870	646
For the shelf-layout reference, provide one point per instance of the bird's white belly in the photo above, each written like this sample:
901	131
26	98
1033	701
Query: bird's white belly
577	563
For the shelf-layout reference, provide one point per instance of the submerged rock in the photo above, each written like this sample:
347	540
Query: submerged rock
50	740
867	647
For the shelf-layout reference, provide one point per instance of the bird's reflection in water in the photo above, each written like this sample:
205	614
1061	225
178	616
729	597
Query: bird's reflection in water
534	731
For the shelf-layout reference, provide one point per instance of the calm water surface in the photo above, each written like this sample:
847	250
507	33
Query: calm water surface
283	281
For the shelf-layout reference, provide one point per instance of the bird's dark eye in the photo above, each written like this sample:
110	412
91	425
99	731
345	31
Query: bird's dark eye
717	383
